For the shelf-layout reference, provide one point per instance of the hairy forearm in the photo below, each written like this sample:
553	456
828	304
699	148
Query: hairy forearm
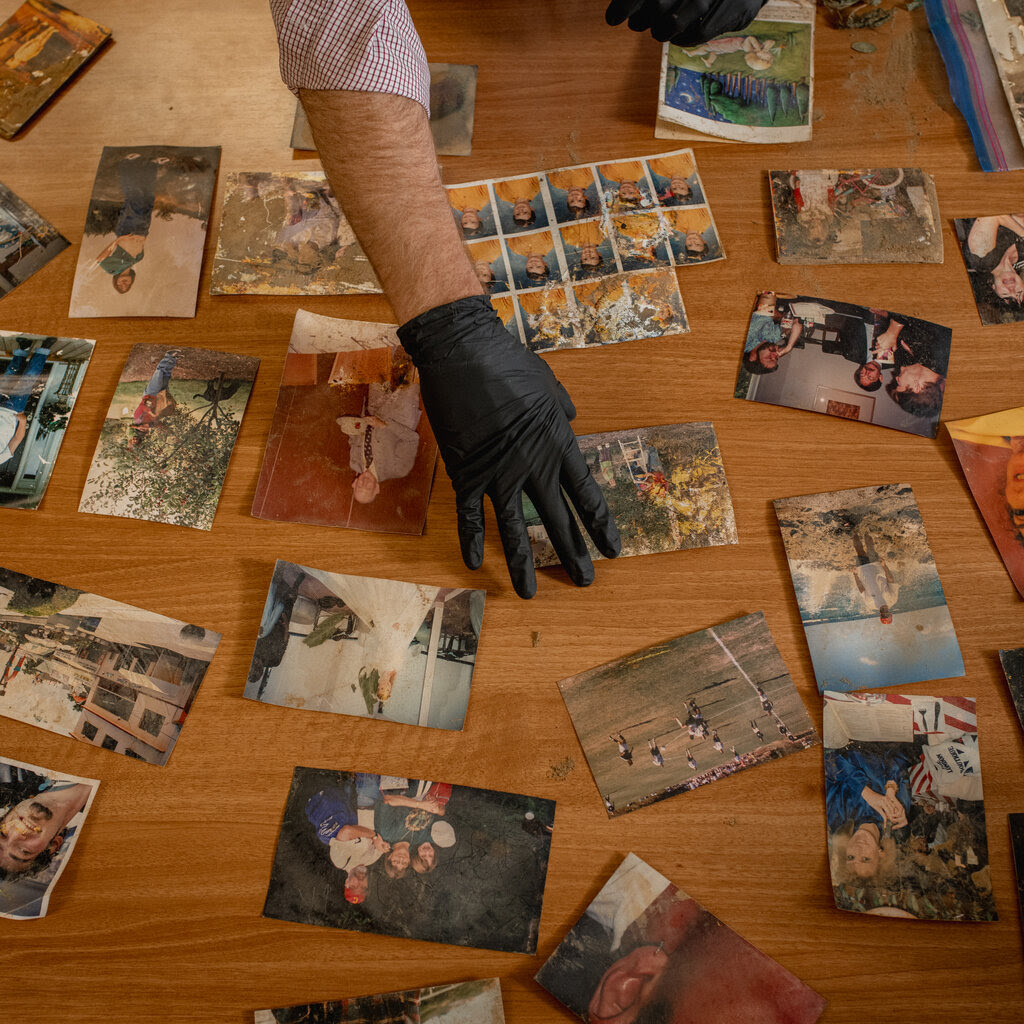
378	154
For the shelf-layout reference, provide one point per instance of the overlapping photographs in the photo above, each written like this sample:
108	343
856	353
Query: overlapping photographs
686	713
27	241
375	648
644	950
145	231
38	388
349	444
452	103
885	215
41	817
421	860
42	44
1012	661
478	1002
584	255
284	234
871	603
168	435
97	670
991	453
903	802
754	86
853	362
665	486
993	252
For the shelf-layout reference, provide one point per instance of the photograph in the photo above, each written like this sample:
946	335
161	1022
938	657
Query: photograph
904	807
686	713
993	252
675	179
27	241
520	204
1002	23
624	186
588	248
625	307
852	362
142	251
533	259
641	240
753	86
41	817
473	209
1012	660
574	195
284	234
415	859
42	45
548	319
467	1002
452	103
884	215
646	951
38	388
97	670
489	265
665	487
349	445
871	603
168	435
1017	849
692	236
352	645
991	453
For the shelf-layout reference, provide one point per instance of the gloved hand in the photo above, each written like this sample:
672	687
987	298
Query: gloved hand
501	420
684	22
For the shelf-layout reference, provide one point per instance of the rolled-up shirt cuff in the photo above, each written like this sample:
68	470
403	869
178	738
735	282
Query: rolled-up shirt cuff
356	45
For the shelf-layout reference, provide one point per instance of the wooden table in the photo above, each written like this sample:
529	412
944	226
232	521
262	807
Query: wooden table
158	916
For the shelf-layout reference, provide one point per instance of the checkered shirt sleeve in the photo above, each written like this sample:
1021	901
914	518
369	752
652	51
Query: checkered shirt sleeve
357	45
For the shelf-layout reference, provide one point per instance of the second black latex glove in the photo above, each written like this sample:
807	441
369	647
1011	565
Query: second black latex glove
501	420
684	22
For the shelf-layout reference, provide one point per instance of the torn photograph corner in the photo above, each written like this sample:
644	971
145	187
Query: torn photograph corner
871	602
468	1002
686	713
97	670
665	487
168	435
41	817
354	645
39	386
904	807
416	859
349	445
645	950
993	253
27	241
1012	661
843	360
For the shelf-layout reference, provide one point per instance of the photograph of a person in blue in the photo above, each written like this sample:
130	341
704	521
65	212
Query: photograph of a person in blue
573	192
641	241
675	178
588	251
692	236
547	321
472	210
489	265
24	371
520	205
505	306
624	186
532	259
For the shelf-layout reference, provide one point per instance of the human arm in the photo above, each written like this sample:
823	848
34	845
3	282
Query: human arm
794	333
432	806
349	832
886	805
19	433
982	236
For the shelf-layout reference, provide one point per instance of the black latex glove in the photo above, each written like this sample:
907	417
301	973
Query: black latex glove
501	420
684	22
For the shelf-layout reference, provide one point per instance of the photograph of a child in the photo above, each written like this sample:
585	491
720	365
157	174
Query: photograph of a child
548	320
993	252
692	236
41	818
854	362
349	445
872	606
904	807
355	645
675	179
646	951
27	241
991	453
417	859
473	209
488	259
283	233
168	435
665	486
686	713
520	204
472	1002
38	388
145	232
99	671
885	215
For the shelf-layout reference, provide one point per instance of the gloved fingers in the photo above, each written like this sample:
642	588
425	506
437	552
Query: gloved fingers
715	18
508	508
585	494
562	530
564	401
619	10
469	512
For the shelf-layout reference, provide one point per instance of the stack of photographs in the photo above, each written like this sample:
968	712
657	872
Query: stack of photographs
27	241
993	252
97	670
41	818
584	255
870	599
904	806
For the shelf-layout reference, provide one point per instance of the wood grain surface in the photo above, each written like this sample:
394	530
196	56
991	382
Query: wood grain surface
157	917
